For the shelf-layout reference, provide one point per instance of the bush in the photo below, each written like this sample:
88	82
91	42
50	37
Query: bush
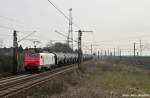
5	63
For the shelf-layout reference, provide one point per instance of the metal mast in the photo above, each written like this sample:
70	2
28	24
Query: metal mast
80	54
15	46
70	31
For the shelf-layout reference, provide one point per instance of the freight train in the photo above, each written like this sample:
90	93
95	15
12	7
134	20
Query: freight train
37	60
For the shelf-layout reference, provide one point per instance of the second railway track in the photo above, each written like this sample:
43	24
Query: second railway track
15	85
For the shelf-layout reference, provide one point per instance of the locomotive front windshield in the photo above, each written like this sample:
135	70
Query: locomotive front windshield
33	55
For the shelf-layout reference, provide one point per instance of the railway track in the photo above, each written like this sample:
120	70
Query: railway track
12	86
11	77
6	74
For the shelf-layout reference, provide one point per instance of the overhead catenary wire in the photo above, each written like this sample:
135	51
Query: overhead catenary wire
71	39
27	36
3	36
14	20
62	13
5	27
6	34
125	39
101	43
9	28
17	21
65	36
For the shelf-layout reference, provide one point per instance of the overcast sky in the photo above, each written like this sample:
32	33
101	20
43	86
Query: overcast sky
111	20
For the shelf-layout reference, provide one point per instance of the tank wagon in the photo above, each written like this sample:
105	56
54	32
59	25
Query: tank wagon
37	60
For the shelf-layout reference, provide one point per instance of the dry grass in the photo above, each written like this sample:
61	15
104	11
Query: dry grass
98	80
57	85
117	79
78	92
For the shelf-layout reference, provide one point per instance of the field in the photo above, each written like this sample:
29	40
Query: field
99	79
118	79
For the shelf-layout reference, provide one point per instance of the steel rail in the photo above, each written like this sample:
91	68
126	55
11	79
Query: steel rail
8	79
28	82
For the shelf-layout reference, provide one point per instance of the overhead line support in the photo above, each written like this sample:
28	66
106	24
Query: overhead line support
80	54
15	48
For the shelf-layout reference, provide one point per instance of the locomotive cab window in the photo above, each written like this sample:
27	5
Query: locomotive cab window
33	55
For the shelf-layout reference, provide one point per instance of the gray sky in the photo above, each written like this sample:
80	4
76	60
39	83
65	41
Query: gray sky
114	20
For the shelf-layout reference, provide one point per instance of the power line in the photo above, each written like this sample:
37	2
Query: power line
20	22
5	27
27	36
60	33
9	28
5	34
71	39
65	36
127	38
58	10
62	13
86	47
